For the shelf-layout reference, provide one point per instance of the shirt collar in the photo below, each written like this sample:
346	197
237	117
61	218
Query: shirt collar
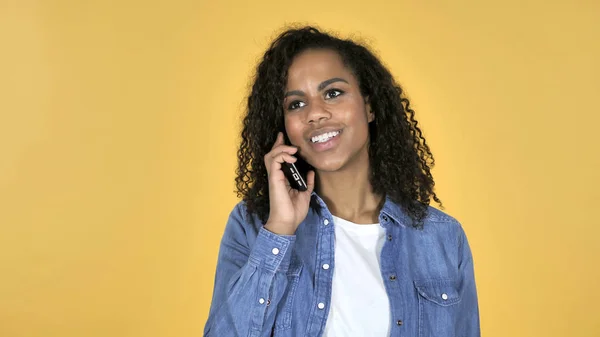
390	209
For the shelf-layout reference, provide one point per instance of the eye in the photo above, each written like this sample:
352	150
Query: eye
333	93
295	105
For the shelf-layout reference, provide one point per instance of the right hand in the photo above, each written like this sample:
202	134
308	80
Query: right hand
288	206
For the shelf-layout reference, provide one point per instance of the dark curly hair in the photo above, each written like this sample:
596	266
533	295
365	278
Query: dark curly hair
400	159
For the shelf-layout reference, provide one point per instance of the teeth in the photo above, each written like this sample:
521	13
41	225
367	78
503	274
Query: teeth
324	137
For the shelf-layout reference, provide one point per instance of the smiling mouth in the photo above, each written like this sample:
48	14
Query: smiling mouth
325	137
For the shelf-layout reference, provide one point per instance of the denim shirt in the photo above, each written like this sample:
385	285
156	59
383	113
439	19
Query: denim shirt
276	285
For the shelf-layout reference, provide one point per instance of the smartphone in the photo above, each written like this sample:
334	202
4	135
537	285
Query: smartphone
293	175
295	172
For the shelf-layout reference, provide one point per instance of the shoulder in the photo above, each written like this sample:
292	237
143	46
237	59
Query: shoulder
240	217
439	216
439	221
240	210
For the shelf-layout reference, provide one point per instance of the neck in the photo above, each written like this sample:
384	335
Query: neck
349	195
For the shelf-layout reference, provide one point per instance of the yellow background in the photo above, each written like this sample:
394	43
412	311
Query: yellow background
119	124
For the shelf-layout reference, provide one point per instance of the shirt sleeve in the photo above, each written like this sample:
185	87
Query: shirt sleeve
468	320
250	279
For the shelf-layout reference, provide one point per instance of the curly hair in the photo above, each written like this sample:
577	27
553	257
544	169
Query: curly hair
399	157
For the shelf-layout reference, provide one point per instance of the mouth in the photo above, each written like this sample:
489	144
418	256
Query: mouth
325	141
325	137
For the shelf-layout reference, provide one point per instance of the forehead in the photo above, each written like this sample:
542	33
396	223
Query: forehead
317	65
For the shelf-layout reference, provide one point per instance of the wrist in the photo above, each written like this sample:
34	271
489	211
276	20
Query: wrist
279	230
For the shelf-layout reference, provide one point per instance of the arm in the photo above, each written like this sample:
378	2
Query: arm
468	320
250	280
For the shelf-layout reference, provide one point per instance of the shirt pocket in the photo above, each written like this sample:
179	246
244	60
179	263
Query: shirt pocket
438	299
283	320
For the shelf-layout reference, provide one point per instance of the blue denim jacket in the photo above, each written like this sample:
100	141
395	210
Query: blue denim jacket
272	285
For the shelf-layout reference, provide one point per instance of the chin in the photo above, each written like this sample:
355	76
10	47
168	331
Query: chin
328	165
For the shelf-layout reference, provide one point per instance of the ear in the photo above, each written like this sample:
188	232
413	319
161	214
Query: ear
370	113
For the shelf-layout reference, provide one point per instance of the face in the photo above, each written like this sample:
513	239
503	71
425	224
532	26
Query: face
325	114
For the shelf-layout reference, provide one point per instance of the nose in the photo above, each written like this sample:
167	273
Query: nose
317	112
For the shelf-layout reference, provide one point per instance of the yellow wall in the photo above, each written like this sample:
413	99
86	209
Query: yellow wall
118	131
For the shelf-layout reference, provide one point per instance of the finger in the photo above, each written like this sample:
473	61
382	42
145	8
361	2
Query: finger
283	148
278	140
277	151
275	162
268	158
283	156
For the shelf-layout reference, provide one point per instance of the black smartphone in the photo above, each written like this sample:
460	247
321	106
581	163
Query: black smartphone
295	172
293	175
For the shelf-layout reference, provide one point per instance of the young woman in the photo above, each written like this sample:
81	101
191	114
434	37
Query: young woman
360	252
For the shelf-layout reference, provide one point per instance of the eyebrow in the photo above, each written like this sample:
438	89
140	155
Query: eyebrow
319	88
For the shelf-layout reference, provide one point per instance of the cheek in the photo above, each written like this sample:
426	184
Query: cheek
293	128
355	114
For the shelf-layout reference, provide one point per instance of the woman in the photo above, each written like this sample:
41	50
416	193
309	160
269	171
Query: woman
360	252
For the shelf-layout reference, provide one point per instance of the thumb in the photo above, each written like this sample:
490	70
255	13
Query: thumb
310	181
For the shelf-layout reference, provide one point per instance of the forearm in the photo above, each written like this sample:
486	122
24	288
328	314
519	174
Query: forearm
245	298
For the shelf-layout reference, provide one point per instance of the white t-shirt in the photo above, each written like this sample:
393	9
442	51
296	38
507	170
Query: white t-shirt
359	302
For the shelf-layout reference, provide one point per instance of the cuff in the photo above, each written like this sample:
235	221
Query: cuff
271	251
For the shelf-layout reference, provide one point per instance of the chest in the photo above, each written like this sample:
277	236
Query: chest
417	270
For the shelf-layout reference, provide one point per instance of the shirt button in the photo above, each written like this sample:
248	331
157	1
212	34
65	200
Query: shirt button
325	266
275	251
393	277
399	322
261	301
326	222
321	305
444	297
389	238
385	218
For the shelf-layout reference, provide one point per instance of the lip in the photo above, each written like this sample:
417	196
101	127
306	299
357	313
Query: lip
322	131
331	143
